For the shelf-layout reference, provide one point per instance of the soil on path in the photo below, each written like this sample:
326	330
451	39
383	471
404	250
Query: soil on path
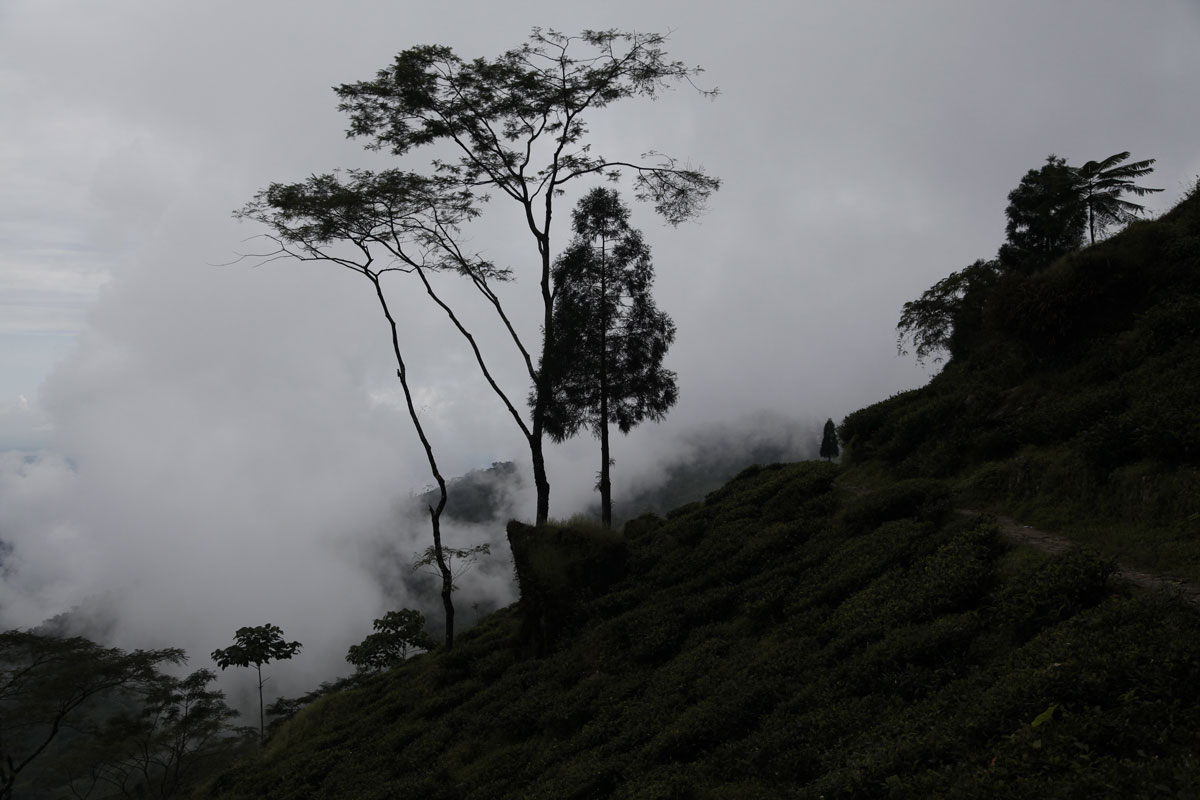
1019	533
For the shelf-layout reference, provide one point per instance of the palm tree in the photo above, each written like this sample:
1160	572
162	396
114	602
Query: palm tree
1101	185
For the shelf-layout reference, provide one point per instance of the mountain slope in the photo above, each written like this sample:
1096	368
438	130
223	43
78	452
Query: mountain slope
1076	405
784	639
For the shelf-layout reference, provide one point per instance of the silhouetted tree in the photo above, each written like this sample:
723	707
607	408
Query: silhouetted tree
606	363
829	441
256	646
180	731
47	684
1101	184
518	125
1046	217
943	318
396	633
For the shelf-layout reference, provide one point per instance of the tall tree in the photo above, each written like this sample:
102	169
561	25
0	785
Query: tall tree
606	363
1101	184
517	124
1046	218
829	441
413	220
47	684
255	647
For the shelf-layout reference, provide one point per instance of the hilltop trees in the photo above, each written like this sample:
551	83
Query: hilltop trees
1101	184
1046	218
1048	214
517	127
606	362
256	646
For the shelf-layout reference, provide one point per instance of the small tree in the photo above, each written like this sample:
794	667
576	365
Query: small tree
829	441
1046	218
256	646
942	320
1101	184
606	363
396	633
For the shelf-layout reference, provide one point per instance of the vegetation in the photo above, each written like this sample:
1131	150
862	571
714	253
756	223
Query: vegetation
395	634
783	638
829	441
606	363
790	638
1074	401
182	730
255	647
1101	185
518	126
51	689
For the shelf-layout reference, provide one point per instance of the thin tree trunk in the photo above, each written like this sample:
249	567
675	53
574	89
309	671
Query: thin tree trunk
605	484
435	512
262	730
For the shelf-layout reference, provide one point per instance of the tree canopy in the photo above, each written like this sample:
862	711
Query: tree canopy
1045	217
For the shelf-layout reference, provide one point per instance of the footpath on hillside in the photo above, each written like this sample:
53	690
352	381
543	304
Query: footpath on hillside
1019	533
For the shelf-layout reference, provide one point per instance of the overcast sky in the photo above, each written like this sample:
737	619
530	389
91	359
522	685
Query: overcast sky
209	445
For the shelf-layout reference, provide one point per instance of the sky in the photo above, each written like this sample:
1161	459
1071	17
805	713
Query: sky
190	442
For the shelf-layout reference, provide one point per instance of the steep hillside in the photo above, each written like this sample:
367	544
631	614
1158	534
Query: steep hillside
812	631
1074	401
784	638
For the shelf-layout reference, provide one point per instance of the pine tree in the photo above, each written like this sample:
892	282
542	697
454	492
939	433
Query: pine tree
606	365
829	441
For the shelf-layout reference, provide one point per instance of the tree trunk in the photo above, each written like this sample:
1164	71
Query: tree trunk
435	518
262	729
435	513
605	484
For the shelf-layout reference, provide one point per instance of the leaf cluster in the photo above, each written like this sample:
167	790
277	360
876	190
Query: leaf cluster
256	646
396	633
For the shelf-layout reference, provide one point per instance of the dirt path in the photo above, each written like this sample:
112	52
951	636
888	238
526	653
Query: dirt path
1019	533
1053	543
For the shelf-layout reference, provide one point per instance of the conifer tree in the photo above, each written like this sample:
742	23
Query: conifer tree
606	365
829	441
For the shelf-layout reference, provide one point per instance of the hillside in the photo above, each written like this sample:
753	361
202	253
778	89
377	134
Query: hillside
1075	402
784	638
811	630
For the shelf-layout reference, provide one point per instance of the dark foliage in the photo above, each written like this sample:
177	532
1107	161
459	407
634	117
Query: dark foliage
606	364
774	642
1046	219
